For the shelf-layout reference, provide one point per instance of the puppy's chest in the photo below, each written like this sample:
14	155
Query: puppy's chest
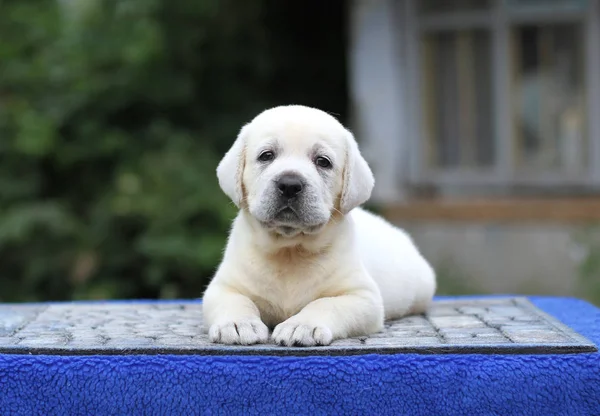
281	290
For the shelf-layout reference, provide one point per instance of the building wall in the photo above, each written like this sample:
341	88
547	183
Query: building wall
503	258
471	256
375	73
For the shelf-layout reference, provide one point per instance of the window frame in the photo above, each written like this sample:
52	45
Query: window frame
499	20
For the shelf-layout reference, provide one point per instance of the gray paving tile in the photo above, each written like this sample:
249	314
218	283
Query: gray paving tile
507	326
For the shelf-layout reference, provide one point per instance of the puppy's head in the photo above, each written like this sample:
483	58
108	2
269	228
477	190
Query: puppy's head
292	167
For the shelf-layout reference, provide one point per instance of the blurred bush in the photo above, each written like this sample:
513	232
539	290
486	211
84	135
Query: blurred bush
113	116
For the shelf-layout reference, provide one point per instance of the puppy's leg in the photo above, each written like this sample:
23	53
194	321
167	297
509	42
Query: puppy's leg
326	319
232	318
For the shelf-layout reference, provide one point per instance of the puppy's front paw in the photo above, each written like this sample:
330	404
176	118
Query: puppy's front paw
297	333
244	332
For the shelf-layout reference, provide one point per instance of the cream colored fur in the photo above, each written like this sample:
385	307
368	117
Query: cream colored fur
324	270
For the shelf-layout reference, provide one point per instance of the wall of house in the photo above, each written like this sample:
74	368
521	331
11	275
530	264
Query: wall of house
503	258
520	253
375	72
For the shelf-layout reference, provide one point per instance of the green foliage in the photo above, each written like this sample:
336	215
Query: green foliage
113	116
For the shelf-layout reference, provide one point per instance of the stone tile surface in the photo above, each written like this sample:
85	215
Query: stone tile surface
503	325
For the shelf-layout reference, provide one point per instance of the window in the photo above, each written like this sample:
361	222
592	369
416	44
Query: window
504	91
457	100
548	100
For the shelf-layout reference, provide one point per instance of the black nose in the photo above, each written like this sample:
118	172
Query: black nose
289	186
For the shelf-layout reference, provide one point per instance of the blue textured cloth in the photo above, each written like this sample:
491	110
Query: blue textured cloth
353	385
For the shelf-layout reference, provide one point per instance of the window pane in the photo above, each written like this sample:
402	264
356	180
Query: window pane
451	6
457	98
549	98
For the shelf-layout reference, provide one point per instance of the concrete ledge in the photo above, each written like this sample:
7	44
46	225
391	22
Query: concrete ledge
500	210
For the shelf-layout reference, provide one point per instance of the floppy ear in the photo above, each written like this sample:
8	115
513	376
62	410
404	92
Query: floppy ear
231	169
358	178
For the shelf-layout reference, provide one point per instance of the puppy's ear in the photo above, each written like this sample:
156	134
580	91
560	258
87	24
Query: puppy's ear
358	178
231	169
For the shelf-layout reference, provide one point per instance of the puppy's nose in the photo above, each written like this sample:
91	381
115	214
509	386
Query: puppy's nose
289	186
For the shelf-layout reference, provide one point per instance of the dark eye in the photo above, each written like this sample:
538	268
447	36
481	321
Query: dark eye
323	162
266	156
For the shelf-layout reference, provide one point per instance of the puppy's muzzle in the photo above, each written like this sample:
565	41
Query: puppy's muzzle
289	186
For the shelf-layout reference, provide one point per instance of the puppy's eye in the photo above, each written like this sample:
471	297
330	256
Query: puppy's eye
266	156
323	162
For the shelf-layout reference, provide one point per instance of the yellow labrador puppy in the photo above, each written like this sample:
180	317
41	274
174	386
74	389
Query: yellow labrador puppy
301	257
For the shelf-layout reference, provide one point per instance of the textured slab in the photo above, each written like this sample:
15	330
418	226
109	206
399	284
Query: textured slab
507	326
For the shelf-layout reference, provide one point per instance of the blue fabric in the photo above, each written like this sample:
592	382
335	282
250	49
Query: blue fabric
357	385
